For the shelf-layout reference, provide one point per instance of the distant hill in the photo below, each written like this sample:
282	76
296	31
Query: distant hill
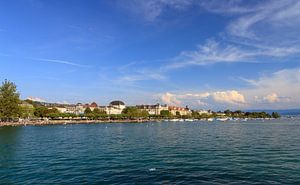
282	112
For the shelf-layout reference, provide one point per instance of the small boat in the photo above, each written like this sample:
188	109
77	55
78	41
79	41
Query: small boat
222	119
210	119
189	120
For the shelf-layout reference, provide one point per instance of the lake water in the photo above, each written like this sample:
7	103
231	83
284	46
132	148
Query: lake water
152	153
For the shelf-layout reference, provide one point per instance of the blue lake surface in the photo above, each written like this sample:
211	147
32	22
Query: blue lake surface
253	152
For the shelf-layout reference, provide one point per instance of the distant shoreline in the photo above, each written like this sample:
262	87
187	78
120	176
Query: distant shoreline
67	122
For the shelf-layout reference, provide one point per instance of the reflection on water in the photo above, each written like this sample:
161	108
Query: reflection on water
9	137
164	153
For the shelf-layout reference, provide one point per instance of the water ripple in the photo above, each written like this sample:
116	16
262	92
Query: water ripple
152	153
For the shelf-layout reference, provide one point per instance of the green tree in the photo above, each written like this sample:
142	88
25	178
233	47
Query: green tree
88	111
9	101
275	115
134	112
26	110
144	114
42	111
195	114
98	111
165	113
227	112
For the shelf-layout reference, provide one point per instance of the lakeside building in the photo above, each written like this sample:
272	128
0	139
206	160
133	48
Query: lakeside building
201	112
92	106
115	107
153	109
182	111
79	109
65	108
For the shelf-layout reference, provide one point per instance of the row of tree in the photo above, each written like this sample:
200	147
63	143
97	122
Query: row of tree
241	114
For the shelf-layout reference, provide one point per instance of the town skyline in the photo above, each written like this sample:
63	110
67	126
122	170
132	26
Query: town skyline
208	55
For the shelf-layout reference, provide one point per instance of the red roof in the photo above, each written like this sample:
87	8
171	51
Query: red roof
93	104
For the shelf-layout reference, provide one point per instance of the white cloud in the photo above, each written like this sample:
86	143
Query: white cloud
207	99
170	99
35	99
214	52
209	53
152	9
229	97
59	62
261	31
255	27
140	76
228	7
274	98
280	90
289	12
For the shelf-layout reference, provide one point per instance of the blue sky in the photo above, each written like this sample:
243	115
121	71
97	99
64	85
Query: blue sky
206	54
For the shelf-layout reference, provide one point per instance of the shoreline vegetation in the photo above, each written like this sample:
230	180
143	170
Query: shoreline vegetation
14	112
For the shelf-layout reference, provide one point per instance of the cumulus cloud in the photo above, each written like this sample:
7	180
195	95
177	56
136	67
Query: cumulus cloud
274	98
170	98
279	90
205	98
271	98
230	97
36	99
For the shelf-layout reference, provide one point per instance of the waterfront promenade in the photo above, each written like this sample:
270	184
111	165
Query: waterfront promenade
61	122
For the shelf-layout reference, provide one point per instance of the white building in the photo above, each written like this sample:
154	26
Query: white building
115	107
182	111
79	109
153	109
208	112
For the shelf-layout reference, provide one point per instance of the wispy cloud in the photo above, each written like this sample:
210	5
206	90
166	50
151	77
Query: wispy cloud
141	75
60	62
257	29
214	52
55	61
271	13
151	10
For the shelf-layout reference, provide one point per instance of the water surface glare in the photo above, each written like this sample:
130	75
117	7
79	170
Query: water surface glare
152	153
